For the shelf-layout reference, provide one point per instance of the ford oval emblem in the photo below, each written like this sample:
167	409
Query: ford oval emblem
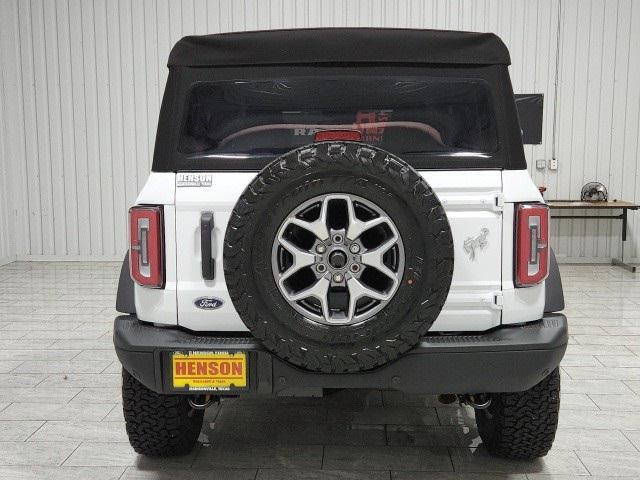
208	303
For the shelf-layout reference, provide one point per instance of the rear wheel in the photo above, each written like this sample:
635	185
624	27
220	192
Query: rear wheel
522	425
158	425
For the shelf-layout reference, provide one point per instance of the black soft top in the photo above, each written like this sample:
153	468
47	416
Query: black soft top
340	45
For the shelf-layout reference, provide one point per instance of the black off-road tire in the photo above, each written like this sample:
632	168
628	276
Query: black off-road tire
522	425
158	425
349	168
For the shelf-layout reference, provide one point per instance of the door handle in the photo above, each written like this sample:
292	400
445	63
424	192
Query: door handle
206	229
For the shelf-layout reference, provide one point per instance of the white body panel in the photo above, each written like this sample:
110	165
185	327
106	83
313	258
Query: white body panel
482	294
160	189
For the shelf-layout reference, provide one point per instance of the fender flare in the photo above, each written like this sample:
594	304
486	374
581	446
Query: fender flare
125	299
554	295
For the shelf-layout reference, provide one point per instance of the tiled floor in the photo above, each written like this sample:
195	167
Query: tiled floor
60	415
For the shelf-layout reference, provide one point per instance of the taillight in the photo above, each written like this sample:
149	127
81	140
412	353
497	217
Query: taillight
146	246
532	244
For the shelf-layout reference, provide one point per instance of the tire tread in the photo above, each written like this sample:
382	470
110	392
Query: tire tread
158	425
522	425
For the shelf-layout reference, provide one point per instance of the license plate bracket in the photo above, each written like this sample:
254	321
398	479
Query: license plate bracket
206	371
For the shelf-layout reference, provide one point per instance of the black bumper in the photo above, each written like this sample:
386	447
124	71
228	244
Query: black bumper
506	359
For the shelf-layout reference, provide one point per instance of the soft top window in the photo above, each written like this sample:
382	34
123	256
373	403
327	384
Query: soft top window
410	116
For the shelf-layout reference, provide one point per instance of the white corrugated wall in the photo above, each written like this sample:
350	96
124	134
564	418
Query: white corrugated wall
6	246
82	82
598	126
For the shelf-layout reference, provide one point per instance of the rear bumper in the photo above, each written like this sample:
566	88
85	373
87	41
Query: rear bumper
506	359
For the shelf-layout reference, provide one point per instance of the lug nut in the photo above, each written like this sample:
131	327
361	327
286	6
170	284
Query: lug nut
321	268
354	248
337	278
337	238
355	268
321	248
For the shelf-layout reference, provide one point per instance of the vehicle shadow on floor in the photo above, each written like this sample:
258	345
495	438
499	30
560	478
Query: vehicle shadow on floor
349	434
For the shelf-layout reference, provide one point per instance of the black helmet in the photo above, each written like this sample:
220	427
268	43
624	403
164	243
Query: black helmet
594	192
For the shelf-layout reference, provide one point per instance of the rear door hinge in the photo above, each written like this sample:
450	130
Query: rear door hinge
492	300
498	202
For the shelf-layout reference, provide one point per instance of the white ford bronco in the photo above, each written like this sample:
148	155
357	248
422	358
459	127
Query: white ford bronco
340	209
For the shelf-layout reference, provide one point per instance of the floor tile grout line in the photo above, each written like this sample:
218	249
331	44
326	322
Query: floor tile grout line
123	472
592	400
575	452
78	393
36	430
69	456
562	369
629	387
106	368
44	379
17	366
109	412
453	467
630	441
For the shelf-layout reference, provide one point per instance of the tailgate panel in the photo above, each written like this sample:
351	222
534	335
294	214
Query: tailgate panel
472	200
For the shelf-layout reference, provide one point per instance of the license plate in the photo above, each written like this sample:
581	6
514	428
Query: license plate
209	370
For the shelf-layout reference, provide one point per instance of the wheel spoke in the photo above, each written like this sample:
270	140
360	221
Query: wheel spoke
318	227
356	226
319	290
374	258
358	290
301	259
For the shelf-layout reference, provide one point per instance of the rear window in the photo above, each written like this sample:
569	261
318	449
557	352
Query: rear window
410	116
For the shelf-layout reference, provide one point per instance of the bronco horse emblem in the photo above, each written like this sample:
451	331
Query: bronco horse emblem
471	244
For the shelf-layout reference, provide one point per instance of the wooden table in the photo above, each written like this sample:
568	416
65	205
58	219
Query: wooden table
613	205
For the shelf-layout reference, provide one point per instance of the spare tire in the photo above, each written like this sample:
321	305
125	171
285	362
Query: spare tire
338	257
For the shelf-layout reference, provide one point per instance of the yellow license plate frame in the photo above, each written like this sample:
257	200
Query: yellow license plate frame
209	371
